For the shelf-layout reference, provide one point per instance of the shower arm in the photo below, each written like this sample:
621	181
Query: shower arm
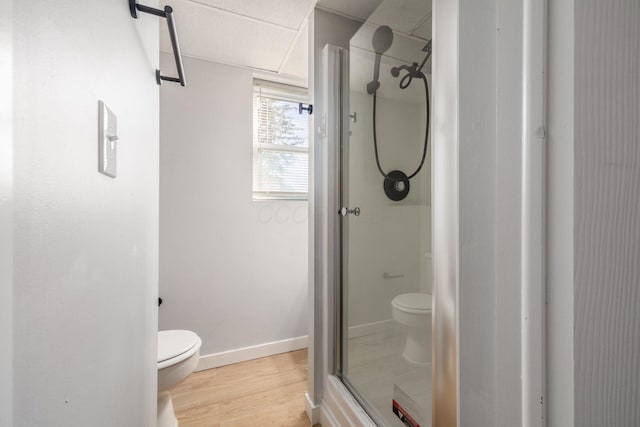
426	48
414	70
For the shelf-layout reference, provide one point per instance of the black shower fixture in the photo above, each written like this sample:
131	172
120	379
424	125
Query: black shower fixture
413	71
396	183
381	41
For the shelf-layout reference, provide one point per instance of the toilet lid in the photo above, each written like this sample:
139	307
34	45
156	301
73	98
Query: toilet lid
413	301
174	343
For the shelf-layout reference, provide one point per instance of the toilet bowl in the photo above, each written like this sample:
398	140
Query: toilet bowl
178	355
413	310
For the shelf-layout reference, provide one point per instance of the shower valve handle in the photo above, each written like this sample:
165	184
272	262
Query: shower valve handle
345	211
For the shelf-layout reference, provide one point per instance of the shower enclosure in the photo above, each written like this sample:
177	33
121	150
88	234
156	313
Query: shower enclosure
384	268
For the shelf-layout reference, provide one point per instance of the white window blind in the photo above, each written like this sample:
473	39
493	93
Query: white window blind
280	142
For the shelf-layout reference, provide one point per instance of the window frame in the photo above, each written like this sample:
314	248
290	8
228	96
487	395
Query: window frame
283	92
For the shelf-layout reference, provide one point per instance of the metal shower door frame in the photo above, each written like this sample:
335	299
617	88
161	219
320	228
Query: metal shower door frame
445	336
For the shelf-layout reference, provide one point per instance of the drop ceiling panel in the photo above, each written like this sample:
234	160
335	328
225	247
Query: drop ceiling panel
360	9
221	36
424	30
288	13
298	62
402	15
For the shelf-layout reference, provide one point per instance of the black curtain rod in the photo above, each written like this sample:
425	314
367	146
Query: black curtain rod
167	13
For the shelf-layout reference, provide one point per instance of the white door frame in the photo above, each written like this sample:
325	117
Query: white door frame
533	208
445	213
6	212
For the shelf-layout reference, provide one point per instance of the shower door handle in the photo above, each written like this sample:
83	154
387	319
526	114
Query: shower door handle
344	211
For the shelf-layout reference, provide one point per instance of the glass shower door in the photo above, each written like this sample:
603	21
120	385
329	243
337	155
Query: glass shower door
386	271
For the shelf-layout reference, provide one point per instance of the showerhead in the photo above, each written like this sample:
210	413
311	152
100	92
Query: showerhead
381	42
382	39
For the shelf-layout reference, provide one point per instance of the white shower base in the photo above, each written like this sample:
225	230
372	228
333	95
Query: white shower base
376	364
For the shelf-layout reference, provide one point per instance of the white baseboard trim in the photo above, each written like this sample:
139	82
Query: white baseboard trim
370	328
312	410
209	361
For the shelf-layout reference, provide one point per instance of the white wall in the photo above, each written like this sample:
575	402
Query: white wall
477	226
388	237
508	213
231	269
490	129
85	245
606	218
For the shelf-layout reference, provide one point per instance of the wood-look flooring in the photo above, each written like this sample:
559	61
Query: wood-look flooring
265	392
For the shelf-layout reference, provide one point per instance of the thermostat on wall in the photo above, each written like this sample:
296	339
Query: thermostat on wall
107	140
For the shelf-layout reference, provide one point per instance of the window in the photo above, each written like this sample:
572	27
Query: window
280	142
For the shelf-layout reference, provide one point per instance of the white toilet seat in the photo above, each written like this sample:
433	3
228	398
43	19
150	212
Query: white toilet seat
174	346
178	355
415	303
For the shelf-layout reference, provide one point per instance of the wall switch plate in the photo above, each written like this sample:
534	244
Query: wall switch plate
107	140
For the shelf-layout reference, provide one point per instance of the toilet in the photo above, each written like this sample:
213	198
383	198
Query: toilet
413	310
178	355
